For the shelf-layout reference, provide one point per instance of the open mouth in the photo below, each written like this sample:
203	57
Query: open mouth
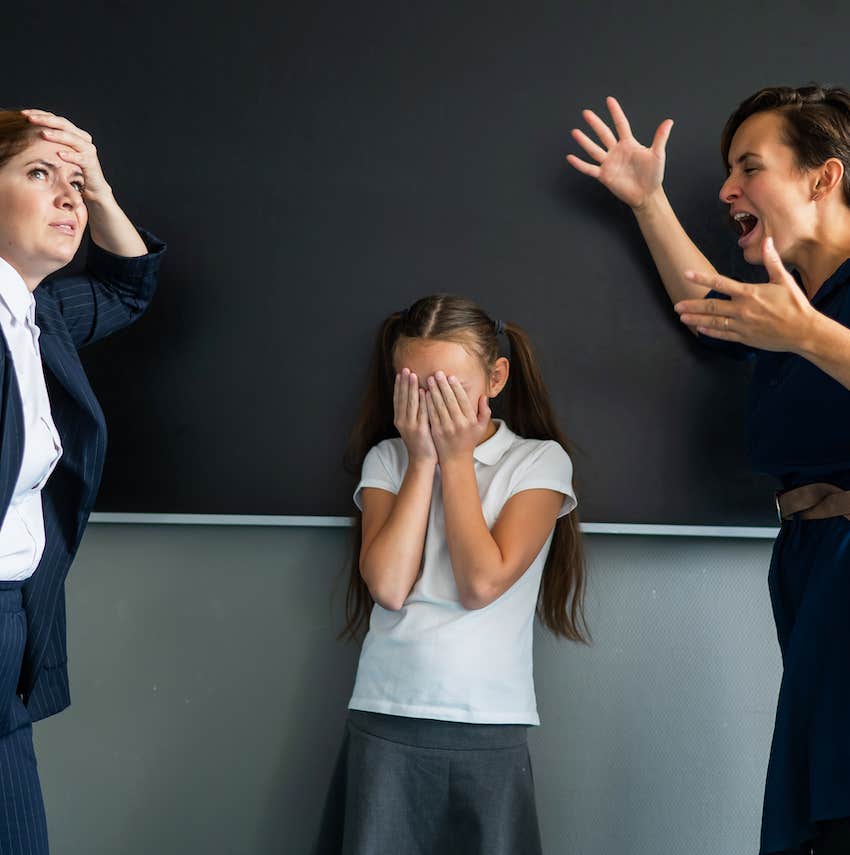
744	223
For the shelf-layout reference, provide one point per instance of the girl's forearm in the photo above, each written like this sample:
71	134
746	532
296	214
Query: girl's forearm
476	558
391	562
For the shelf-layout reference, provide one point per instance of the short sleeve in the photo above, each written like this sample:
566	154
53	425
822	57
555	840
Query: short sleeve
548	467
381	469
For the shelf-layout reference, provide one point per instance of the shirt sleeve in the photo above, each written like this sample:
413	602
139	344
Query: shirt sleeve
381	470
728	348
548	468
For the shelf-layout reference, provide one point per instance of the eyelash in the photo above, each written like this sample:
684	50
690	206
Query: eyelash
79	186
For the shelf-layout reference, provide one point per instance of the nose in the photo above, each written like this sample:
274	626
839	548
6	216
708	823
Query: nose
729	190
67	197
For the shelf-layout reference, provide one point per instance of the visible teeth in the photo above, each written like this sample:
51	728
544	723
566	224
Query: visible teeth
742	215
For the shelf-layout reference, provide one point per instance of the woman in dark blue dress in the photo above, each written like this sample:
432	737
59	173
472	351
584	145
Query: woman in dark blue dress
787	153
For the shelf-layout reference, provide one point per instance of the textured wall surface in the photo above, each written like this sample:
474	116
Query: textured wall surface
209	696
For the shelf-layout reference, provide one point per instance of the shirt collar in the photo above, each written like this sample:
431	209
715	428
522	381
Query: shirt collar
14	292
840	277
491	450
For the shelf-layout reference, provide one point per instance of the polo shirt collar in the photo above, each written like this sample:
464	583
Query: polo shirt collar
490	451
14	292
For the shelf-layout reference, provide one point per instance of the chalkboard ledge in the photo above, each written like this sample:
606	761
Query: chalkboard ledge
758	532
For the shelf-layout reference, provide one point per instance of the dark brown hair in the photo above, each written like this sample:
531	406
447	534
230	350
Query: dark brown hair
16	133
816	119
524	404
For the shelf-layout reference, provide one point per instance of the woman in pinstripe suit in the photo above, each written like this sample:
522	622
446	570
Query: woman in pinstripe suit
51	428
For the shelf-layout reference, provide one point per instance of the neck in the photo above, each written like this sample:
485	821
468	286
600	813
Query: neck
31	280
817	259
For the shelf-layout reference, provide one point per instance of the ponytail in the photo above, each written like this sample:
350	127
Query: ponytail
528	411
530	414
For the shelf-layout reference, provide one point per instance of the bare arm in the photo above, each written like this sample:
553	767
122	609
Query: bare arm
394	526
394	530
634	174
484	563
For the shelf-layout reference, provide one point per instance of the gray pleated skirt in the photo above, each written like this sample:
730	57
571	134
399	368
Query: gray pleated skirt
410	786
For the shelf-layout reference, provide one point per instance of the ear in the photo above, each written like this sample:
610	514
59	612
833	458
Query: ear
498	377
827	178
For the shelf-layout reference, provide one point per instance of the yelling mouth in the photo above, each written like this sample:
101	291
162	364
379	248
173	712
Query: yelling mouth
744	223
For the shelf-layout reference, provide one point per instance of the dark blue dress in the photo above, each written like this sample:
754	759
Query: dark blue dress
799	431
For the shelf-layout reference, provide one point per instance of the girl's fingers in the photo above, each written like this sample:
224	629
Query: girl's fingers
621	123
433	417
422	416
582	166
447	393
595	151
412	397
439	405
462	398
397	396
483	410
606	137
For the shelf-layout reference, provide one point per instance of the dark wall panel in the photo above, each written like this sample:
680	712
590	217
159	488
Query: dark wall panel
317	165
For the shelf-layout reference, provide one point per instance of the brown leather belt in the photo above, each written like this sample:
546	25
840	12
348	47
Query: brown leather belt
813	502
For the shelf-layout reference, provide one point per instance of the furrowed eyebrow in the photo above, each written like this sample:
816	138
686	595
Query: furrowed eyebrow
76	174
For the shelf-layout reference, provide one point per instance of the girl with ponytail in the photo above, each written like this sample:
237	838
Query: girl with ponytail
466	528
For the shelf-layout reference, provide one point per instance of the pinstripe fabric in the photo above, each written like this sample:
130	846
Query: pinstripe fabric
23	827
71	312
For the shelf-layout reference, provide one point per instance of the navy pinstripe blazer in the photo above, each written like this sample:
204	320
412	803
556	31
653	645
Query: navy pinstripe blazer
71	312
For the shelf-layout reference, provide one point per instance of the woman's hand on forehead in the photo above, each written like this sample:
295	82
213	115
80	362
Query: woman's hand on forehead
80	151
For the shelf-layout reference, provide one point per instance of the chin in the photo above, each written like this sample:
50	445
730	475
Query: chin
752	255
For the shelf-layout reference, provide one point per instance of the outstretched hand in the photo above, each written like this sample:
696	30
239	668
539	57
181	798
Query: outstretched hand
631	171
775	315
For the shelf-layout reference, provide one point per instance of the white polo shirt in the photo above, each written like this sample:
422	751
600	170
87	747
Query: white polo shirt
433	658
22	535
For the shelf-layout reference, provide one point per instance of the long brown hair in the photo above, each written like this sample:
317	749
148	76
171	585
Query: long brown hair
525	406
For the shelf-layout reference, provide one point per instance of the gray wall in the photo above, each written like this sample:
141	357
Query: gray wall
209	696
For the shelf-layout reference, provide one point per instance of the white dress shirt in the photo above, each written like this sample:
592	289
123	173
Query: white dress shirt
433	658
22	529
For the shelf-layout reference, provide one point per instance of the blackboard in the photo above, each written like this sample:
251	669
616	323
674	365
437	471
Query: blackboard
317	165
